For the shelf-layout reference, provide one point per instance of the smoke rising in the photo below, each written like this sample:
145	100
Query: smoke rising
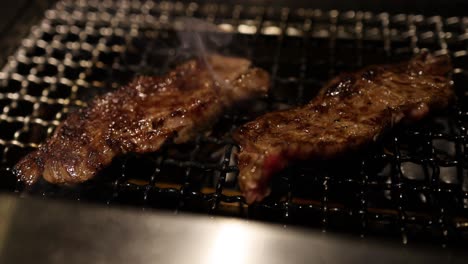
199	38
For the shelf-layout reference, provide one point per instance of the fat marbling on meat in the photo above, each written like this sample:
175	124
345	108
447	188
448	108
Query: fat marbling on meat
142	116
352	110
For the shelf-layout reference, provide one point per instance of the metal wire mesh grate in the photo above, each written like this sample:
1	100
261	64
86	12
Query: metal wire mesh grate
413	186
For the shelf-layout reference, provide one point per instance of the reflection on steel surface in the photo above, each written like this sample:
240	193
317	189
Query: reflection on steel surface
231	234
51	232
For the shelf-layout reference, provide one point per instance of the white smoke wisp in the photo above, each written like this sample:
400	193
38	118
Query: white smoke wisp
199	39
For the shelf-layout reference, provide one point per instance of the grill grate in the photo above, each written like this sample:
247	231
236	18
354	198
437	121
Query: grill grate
414	186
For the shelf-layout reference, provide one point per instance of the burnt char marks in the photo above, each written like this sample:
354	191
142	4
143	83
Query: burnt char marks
320	108
202	104
140	117
368	75
74	130
372	73
179	112
350	112
343	88
157	123
348	84
112	143
68	132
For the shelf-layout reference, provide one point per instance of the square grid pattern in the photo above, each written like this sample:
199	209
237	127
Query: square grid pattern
412	186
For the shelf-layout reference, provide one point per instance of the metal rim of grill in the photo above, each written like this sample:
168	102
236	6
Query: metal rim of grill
413	186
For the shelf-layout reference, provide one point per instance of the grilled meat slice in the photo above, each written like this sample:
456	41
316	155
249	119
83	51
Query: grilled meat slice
141	116
350	111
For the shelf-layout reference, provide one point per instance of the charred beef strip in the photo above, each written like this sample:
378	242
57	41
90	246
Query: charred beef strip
352	110
141	116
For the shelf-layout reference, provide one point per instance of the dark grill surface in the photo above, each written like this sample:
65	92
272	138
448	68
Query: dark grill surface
413	186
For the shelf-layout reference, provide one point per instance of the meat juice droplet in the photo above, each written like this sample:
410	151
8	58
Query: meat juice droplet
71	171
254	168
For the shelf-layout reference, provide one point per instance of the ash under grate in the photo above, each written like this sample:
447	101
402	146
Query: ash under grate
413	186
